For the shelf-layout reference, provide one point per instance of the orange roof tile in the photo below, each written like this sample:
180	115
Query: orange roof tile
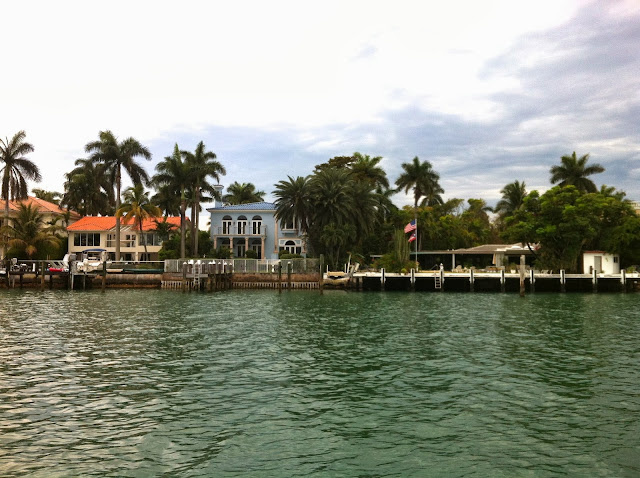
42	206
107	223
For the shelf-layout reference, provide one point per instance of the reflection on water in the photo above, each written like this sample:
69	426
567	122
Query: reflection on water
146	383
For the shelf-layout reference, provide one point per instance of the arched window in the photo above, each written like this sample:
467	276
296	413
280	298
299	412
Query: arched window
226	225
242	224
256	245
290	247
256	225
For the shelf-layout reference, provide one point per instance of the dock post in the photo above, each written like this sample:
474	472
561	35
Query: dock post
382	279
502	280
42	269
623	280
472	280
532	281
289	267
7	269
594	280
522	265
321	279
280	278
413	280
50	280
563	279
184	276
104	275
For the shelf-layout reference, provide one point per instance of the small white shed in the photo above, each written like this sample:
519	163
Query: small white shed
602	262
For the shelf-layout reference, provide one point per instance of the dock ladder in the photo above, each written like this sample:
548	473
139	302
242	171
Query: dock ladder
197	272
437	281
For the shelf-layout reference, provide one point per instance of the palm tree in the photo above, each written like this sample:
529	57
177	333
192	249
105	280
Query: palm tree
50	196
175	174
244	193
513	195
366	169
88	189
335	237
203	165
574	171
138	207
420	177
29	231
116	156
330	193
293	202
16	169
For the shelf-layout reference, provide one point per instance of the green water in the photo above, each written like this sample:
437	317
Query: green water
160	383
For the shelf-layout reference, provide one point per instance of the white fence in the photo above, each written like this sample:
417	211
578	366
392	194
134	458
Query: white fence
250	266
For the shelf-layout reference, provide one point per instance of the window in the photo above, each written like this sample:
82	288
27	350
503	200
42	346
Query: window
290	247
256	245
128	240
242	225
615	259
86	239
111	240
226	225
287	226
256	225
150	238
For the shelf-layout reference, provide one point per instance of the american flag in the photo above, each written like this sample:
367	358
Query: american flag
410	227
413	237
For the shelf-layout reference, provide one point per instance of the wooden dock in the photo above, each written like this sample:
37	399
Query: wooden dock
494	281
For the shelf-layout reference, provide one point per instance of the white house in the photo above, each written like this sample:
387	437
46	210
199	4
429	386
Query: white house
600	261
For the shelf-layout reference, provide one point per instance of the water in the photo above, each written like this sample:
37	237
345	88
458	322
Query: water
159	383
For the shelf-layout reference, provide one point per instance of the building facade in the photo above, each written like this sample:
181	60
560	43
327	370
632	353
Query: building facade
50	212
99	232
253	226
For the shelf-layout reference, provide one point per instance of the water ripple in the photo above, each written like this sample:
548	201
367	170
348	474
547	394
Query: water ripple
153	383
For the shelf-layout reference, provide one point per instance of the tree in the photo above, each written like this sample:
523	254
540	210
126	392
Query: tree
116	156
202	165
365	168
424	181
50	196
88	189
16	169
244	193
573	171
293	202
334	237
29	234
513	195
175	175
138	207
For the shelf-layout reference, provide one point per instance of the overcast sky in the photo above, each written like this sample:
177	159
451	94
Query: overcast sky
488	92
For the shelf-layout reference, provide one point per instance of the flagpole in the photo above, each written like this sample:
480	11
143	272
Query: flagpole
416	248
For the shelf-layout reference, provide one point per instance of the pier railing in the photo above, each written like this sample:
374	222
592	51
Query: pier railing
247	266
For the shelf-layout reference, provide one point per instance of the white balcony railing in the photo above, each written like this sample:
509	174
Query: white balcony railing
235	230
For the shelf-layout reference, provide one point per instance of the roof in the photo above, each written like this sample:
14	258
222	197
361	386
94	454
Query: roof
253	206
107	223
484	249
42	206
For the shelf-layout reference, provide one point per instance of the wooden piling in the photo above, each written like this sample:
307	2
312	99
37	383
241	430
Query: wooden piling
184	277
104	275
289	267
321	279
42	269
280	278
522	266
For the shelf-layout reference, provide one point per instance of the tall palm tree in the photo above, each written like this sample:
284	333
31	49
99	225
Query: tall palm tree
365	168
293	202
574	171
424	181
138	207
244	193
115	156
175	174
203	165
513	195
16	169
29	231
88	189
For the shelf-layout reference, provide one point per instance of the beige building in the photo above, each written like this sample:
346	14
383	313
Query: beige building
99	232
48	210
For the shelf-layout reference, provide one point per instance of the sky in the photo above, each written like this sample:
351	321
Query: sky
488	92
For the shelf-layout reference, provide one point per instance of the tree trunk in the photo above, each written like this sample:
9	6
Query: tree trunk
183	211
197	221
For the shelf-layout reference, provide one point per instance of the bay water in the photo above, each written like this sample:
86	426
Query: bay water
256	383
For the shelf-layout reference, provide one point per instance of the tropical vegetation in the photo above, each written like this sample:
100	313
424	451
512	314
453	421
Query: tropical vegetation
342	209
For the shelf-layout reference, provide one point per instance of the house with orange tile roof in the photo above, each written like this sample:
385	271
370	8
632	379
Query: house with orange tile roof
99	232
49	211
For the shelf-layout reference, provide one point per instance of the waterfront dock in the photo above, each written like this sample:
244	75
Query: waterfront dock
494	281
